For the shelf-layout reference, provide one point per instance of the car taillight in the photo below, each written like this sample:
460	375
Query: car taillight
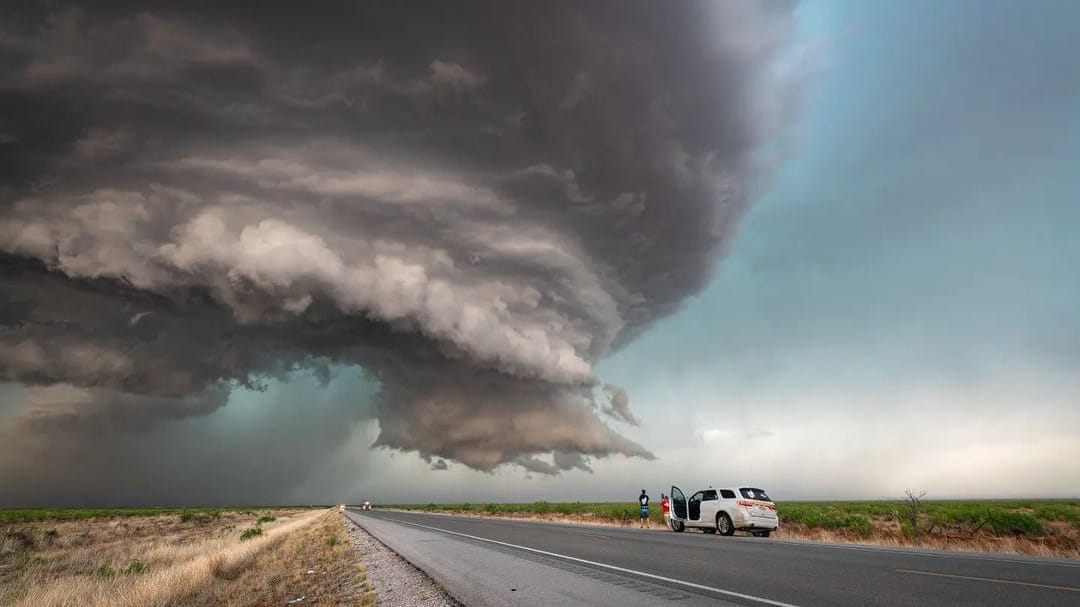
743	504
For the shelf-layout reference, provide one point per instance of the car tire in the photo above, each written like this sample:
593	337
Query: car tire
678	526
724	524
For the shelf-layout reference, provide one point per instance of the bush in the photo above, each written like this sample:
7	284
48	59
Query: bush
135	567
105	571
251	533
189	516
860	525
22	539
331	541
1016	523
265	519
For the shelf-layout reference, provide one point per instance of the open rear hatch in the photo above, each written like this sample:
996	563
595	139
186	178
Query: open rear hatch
760	506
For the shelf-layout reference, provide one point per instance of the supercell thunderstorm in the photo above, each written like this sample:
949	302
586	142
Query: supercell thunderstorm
473	205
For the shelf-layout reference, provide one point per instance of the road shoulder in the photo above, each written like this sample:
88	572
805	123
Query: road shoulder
481	575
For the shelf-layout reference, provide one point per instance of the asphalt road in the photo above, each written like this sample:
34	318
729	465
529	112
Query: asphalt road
693	568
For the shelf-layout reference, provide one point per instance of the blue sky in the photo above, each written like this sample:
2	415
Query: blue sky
913	259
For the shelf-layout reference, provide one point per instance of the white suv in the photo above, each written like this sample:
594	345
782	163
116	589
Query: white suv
724	510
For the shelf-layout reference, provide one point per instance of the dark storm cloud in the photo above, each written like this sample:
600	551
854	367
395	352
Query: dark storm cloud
197	198
618	406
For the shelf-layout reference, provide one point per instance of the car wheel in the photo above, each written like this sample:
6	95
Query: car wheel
762	533
678	526
723	524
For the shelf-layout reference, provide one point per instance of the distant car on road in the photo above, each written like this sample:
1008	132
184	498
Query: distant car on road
724	510
366	505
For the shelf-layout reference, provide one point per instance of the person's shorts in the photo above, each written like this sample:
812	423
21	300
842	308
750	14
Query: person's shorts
644	513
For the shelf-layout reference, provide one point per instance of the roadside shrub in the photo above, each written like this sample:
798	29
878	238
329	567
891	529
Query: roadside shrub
1016	523
135	567
194	517
860	525
251	533
331	542
22	539
105	571
222	569
265	519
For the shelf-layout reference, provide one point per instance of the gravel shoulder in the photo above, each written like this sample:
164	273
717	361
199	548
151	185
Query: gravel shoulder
396	582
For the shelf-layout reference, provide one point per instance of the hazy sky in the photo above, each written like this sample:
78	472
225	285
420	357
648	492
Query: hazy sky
823	248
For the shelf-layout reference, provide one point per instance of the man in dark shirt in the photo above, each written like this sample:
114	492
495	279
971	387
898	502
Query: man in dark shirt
643	499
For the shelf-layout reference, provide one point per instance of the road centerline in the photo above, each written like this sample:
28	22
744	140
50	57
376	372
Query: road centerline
731	593
989	579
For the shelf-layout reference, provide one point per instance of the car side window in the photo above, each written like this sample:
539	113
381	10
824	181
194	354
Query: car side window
727	494
709	496
696	497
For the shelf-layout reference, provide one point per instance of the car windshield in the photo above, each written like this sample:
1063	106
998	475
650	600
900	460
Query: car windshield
755	494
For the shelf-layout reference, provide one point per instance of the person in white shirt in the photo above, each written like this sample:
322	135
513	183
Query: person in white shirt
644	501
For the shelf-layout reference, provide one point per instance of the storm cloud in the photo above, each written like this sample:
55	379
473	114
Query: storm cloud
472	204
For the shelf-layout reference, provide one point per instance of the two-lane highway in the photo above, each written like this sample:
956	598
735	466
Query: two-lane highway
693	568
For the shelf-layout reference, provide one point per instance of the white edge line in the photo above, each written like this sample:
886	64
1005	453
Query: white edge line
740	595
990	579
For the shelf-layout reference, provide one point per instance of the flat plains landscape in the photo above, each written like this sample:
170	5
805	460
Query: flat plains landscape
184	557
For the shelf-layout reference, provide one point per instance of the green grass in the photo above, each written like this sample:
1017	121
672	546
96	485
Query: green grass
1002	517
251	533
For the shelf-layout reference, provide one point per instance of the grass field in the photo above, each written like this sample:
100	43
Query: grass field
188	557
1041	527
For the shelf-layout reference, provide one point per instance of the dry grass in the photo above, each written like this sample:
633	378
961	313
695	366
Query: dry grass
315	563
167	561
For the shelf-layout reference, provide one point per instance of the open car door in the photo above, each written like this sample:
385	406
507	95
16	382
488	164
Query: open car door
678	509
